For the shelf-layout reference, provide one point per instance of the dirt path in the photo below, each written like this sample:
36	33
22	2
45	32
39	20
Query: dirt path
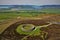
11	34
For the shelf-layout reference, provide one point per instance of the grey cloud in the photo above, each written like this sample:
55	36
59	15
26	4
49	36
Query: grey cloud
29	2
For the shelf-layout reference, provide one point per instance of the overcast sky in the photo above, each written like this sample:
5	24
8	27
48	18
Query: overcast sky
29	2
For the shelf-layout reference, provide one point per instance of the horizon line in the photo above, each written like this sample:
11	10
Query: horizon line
29	4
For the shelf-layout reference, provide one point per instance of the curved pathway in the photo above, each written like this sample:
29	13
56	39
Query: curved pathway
11	34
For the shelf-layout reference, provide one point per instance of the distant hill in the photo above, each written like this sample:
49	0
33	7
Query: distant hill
29	6
43	8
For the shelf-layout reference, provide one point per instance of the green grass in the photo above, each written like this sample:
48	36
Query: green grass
14	14
35	32
7	15
26	13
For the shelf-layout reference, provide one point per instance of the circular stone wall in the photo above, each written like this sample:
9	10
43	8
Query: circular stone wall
27	27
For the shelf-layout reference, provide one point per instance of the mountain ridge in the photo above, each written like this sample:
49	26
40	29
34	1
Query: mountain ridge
28	6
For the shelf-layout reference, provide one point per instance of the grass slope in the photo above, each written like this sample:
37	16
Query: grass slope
35	32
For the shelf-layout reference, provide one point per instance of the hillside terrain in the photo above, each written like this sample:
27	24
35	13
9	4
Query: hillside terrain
45	19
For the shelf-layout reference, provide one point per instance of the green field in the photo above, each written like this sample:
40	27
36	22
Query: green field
5	15
14	14
27	13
